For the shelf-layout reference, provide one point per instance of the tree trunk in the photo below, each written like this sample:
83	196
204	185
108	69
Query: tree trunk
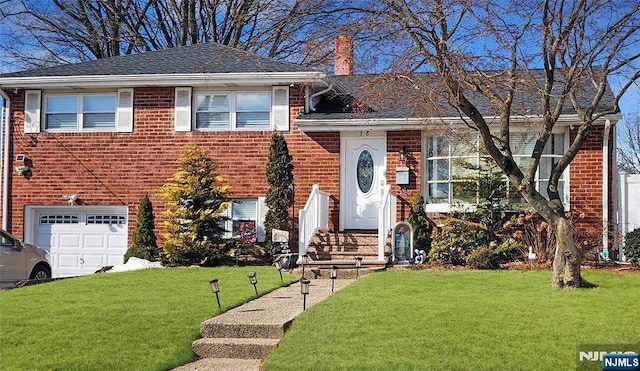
566	263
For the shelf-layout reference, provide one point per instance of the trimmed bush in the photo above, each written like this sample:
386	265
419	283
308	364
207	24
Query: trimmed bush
483	258
509	250
144	239
632	247
456	241
279	173
421	225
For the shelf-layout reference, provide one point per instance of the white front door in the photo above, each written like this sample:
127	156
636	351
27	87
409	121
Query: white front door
363	176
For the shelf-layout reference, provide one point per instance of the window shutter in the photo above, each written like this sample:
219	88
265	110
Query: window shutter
262	213
182	110
227	224
280	108
124	111
32	105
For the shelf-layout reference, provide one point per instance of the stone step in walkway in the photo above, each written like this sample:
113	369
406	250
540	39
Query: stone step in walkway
242	337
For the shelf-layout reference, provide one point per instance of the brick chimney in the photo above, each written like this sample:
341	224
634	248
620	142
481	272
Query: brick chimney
343	54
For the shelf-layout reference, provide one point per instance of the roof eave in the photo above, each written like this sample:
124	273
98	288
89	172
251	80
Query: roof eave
357	124
394	124
139	80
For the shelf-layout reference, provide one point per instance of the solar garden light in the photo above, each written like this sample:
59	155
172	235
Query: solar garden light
358	265
279	268
304	290
333	275
253	280
215	289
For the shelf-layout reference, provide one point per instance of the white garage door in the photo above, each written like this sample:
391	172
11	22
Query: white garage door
81	240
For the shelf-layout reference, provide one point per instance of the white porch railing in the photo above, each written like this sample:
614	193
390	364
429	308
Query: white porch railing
313	217
386	218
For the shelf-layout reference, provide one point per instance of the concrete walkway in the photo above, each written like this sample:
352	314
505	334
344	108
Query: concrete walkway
260	321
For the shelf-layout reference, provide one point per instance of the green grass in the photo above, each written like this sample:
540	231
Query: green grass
141	320
474	320
147	320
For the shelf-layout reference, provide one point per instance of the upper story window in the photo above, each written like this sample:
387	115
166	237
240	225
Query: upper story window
80	112
450	160
66	112
237	110
258	109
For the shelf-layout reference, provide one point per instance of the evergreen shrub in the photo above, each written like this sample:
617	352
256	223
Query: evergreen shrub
144	244
632	247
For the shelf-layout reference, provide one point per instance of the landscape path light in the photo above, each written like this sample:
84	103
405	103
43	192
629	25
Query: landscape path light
358	265
333	275
279	268
303	259
304	290
253	280
215	288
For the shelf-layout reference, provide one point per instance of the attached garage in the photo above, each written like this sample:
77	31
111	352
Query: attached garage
80	239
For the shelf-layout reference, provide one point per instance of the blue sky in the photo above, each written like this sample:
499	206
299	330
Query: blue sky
630	102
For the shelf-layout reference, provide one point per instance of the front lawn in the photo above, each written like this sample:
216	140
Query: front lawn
473	320
418	320
141	320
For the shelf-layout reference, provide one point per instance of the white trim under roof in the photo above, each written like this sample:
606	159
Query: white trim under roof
187	79
395	124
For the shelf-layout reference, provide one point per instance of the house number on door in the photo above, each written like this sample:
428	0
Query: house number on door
364	133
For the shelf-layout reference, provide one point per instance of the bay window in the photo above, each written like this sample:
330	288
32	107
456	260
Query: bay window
451	160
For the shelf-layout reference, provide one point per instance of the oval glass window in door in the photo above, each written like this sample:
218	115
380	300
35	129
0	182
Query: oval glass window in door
364	171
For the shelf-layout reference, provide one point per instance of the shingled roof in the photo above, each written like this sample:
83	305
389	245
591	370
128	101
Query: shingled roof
192	59
421	95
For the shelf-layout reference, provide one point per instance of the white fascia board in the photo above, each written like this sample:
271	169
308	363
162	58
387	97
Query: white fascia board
395	124
563	120
360	124
195	79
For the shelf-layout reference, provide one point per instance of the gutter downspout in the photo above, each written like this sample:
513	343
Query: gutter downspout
5	167
312	107
616	199
605	188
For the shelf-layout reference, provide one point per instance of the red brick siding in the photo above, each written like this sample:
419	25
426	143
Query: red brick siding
413	160
586	187
119	168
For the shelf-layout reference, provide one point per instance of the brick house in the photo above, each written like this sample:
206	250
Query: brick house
84	142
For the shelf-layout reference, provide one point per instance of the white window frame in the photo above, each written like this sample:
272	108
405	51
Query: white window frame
233	110
260	213
278	112
80	112
448	205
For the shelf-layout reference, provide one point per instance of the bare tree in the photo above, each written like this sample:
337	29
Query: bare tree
495	54
629	144
40	33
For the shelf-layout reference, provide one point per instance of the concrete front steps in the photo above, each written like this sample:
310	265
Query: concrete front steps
243	348
341	249
242	337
